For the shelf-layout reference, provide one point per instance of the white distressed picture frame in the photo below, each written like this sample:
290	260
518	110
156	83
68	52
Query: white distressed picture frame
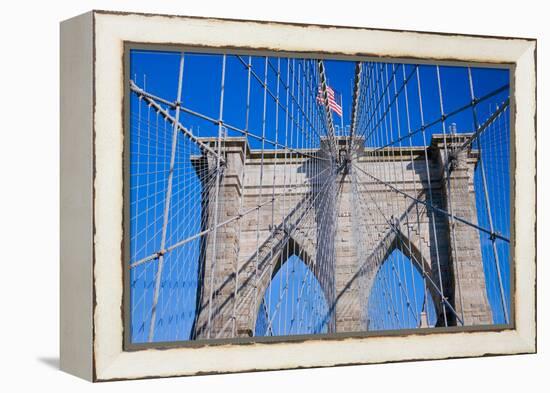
92	173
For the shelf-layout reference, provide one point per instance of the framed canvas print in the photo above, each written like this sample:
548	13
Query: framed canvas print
241	195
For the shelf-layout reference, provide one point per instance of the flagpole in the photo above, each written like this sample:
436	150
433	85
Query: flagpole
342	115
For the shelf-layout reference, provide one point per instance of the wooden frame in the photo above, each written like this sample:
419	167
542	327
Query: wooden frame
92	117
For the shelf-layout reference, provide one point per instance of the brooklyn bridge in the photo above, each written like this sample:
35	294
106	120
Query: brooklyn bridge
275	196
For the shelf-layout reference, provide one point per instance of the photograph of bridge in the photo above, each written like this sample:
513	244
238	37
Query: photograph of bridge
289	196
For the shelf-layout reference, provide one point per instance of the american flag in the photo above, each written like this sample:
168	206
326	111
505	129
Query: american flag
332	103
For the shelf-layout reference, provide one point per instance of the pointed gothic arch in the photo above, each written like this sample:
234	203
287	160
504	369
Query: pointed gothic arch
419	259
400	281
293	303
292	248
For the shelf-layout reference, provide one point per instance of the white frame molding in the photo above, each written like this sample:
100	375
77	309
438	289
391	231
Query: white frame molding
92	115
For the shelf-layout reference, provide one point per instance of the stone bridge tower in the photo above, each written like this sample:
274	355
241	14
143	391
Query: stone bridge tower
328	222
